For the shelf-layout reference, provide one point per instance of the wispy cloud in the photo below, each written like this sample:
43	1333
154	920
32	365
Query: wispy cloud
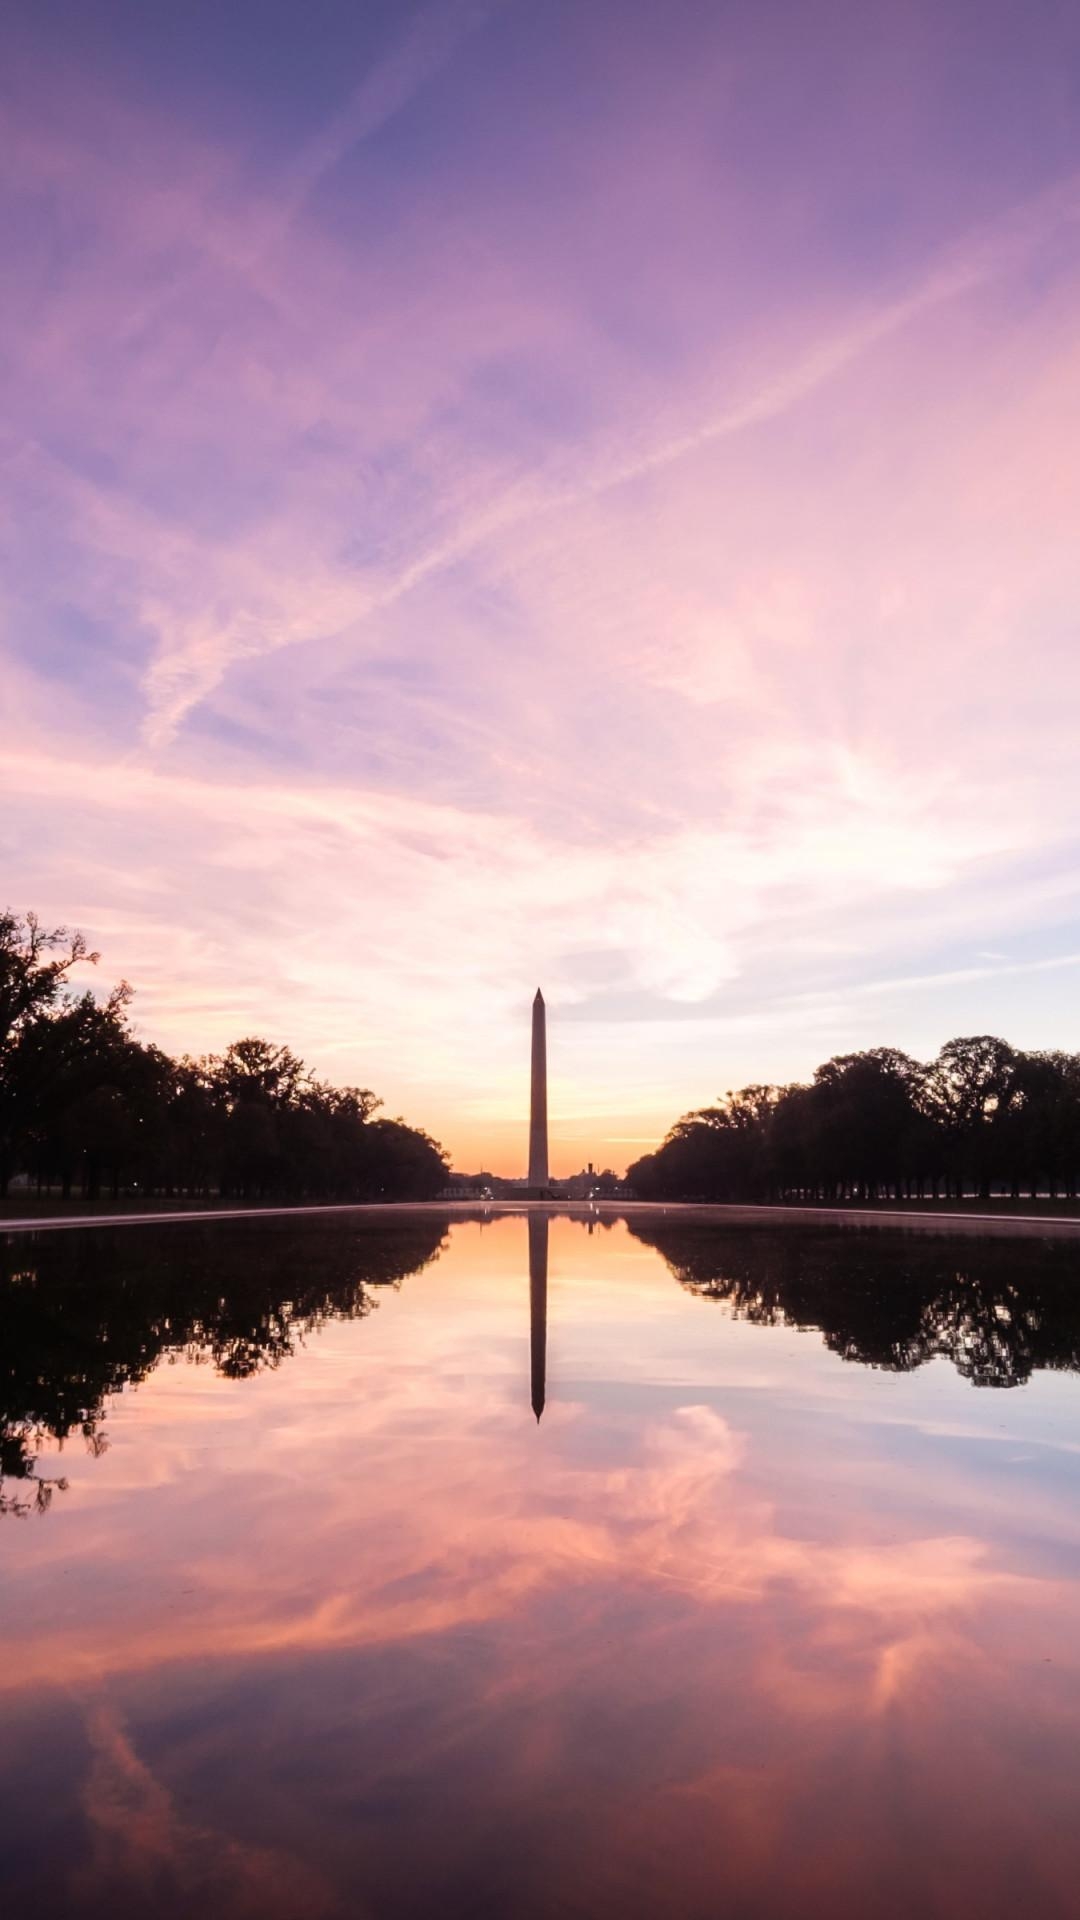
980	258
597	529
423	50
188	667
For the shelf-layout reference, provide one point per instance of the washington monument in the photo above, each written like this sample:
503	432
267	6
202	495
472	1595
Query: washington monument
538	1135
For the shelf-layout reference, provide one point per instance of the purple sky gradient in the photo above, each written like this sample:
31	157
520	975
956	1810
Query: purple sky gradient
496	493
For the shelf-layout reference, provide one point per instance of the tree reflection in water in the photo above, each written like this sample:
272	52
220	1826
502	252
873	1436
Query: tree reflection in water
83	1315
998	1309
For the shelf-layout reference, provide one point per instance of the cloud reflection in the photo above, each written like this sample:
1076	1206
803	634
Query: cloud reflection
364	1597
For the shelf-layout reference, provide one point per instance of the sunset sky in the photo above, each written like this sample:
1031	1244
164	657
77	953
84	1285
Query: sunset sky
582	493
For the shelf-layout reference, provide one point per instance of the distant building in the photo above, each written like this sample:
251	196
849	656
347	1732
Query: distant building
482	1186
469	1186
591	1185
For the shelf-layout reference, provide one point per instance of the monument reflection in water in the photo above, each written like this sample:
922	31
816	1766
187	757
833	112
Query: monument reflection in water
538	1279
773	1613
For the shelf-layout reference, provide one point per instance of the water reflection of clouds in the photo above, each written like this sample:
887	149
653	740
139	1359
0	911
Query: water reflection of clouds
402	1537
673	1622
141	1842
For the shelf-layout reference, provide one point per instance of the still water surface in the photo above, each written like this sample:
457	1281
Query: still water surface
774	1611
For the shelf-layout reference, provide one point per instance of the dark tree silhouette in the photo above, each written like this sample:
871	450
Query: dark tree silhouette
880	1125
34	963
84	1104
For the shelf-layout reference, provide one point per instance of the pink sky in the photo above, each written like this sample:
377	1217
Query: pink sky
496	496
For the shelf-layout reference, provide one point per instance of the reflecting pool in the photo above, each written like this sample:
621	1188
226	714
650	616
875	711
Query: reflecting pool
404	1565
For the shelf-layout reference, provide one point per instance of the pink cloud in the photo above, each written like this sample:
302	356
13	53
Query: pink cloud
712	595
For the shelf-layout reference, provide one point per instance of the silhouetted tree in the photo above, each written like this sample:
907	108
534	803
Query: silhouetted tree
880	1125
967	1092
84	1103
34	964
1040	1132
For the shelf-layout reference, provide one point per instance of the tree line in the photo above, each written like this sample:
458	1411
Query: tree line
86	1106
982	1118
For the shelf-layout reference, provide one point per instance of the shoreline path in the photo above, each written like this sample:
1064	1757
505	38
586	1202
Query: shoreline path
1023	1225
